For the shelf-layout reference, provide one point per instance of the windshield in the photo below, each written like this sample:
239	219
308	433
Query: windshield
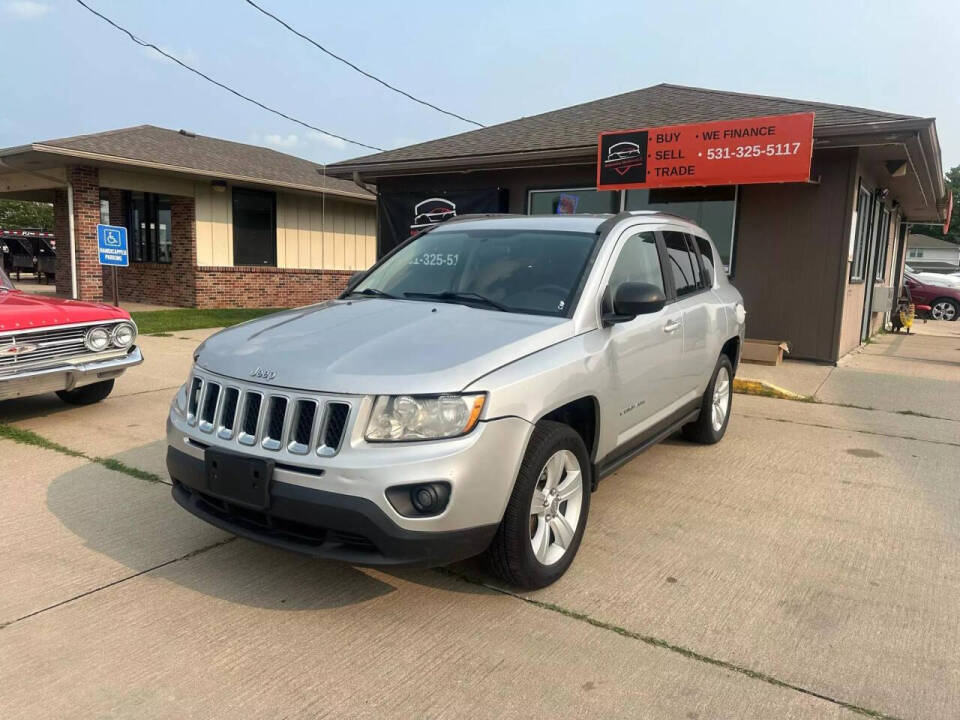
5	283
514	270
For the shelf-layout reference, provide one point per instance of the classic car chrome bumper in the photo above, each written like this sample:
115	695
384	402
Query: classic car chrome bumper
66	376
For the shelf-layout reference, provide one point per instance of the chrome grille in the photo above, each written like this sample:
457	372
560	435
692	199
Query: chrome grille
276	421
209	410
228	417
48	347
276	414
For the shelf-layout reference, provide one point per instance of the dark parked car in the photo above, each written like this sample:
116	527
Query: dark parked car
944	301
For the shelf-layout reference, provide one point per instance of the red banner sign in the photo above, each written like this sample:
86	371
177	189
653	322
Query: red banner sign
727	152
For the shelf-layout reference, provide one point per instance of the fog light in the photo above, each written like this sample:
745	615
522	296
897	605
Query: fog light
421	500
425	499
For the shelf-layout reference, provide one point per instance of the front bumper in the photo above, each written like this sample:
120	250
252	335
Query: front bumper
67	376
322	523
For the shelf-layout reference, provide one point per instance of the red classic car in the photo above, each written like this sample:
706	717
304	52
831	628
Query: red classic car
75	349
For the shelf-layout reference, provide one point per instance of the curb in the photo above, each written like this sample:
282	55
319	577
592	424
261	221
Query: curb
765	389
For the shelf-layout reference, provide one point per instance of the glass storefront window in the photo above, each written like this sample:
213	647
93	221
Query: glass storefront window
712	208
574	201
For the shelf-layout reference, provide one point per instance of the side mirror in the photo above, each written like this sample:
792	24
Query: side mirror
354	280
634	298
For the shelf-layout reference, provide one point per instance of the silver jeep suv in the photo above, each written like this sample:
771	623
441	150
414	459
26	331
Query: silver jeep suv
464	395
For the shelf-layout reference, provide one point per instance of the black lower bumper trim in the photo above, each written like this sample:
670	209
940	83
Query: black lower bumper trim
321	523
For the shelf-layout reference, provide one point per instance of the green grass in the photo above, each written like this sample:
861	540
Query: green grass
28	437
163	322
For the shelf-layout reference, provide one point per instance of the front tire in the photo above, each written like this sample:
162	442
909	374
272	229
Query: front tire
88	394
944	309
711	426
546	516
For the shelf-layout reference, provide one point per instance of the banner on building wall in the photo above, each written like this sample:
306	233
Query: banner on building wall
402	214
728	152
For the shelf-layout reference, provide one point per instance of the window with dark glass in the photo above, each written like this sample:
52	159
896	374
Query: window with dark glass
149	227
574	201
860	234
639	262
254	227
706	258
104	208
883	240
712	208
684	266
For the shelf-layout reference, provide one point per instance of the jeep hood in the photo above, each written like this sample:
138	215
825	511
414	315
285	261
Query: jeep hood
379	346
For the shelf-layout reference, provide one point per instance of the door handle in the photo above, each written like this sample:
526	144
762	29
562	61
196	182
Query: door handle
671	326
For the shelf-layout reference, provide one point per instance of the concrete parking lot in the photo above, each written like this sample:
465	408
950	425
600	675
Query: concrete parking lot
806	567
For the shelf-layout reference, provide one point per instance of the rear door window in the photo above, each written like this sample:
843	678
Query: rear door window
684	267
706	257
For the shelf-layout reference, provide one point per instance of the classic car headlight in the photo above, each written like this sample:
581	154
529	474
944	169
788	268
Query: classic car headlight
396	418
123	335
97	339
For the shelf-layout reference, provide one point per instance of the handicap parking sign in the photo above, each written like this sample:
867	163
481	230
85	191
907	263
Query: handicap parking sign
112	245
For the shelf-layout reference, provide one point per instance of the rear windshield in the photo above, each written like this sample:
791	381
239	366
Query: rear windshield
528	271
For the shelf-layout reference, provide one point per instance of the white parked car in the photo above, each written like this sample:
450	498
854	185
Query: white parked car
932	278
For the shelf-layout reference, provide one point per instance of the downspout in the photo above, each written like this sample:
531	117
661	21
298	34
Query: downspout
73	241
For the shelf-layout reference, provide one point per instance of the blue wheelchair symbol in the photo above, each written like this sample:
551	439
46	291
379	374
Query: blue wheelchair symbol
112	239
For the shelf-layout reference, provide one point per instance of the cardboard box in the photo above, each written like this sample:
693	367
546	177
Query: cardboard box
764	352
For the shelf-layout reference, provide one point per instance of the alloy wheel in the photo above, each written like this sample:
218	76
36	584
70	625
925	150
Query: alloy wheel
721	399
555	507
943	311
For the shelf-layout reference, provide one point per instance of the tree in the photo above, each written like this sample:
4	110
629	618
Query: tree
20	214
953	185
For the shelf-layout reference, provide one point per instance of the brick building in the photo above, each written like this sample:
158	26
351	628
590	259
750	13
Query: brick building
210	223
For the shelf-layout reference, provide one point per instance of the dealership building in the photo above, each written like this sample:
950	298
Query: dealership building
210	223
817	261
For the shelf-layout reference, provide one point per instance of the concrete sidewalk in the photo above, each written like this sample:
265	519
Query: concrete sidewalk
916	374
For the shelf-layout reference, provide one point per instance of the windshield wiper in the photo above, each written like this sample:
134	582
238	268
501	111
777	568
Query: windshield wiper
451	296
373	292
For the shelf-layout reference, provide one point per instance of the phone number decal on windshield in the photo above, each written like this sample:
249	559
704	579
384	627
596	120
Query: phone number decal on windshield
437	259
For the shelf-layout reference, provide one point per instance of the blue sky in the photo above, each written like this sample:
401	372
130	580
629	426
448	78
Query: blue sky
65	72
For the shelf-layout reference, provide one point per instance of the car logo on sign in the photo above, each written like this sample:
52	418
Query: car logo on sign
263	374
18	349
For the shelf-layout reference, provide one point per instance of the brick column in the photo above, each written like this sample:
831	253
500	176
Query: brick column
61	233
117	217
86	215
183	217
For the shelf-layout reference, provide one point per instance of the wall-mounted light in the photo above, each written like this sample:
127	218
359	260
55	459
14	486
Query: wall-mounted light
219	185
896	168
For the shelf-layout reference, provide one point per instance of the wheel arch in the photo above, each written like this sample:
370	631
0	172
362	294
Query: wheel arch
731	348
583	416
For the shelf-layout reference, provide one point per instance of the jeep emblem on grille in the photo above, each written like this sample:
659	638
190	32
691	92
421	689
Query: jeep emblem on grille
262	374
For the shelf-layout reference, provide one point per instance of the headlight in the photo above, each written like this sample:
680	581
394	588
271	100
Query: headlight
97	339
123	335
408	417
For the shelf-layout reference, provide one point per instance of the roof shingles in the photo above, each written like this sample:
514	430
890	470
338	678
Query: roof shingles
150	144
578	126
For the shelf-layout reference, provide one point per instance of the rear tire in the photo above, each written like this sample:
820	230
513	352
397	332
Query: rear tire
88	394
711	426
944	309
547	513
